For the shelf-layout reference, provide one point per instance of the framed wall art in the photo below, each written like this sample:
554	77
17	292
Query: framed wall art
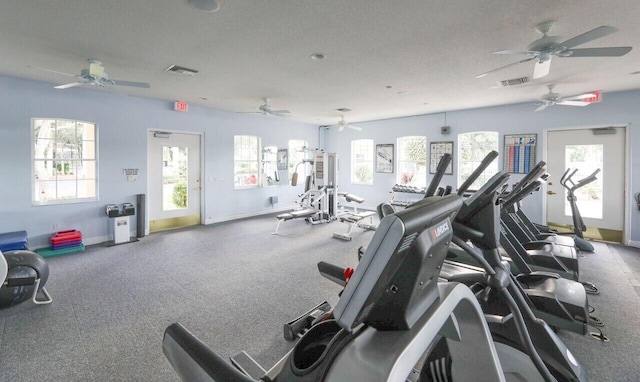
519	153
384	158
283	157
438	149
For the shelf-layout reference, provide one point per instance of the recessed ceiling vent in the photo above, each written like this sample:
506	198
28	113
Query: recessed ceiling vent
514	82
181	70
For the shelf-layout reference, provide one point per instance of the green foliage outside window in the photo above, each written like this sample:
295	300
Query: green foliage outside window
180	195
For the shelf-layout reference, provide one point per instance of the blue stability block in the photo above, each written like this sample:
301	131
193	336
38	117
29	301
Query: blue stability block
12	241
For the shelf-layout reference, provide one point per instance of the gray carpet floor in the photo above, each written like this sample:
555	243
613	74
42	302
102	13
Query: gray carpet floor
234	285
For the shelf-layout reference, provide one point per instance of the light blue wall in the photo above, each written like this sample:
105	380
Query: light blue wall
123	123
615	109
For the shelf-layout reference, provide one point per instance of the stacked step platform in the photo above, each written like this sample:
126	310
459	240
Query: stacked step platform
13	241
62	243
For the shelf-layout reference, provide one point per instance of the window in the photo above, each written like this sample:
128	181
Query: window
412	161
65	166
472	148
362	161
175	171
296	155
246	150
585	158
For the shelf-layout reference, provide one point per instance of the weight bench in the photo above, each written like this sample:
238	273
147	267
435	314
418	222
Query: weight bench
351	197
362	220
296	214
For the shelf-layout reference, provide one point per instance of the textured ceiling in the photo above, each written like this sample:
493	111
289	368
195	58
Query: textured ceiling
384	59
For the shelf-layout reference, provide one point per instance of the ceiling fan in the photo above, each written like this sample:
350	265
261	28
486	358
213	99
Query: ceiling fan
544	48
551	99
342	124
266	109
94	75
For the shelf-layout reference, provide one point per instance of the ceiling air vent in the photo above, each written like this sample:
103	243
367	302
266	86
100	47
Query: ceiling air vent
514	82
181	70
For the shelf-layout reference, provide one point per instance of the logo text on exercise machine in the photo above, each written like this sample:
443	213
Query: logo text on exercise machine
439	230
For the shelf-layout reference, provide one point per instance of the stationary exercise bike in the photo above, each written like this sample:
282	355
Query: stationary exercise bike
23	274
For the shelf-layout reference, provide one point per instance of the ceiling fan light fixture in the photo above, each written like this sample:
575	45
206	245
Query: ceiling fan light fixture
205	5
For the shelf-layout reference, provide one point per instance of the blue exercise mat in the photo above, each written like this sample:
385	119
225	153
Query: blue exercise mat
13	241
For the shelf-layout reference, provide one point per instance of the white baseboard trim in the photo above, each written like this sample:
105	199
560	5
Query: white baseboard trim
97	239
247	215
633	243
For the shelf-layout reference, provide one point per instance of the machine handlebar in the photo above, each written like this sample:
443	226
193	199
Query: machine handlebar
569	184
476	173
440	170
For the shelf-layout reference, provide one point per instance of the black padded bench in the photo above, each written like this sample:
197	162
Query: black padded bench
296	214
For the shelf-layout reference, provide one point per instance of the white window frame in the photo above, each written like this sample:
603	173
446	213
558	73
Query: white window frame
249	155
36	157
362	153
474	162
400	177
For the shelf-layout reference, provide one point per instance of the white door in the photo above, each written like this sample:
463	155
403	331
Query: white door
174	185
601	203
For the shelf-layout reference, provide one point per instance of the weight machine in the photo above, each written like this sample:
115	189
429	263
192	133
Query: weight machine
319	202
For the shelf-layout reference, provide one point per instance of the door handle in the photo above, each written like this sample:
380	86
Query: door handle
551	192
197	188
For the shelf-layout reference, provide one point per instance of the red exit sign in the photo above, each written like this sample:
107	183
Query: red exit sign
597	97
181	106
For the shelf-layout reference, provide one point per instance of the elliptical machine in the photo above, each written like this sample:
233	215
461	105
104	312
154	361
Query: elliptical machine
23	274
578	224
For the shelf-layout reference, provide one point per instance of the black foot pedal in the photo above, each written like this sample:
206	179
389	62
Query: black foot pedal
246	364
294	327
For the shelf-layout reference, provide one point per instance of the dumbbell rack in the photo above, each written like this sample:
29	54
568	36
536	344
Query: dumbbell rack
404	196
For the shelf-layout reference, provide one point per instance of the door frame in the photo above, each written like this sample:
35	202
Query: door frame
627	172
202	182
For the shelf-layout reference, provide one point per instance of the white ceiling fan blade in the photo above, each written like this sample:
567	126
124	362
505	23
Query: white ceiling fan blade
572	103
67	86
579	97
541	69
51	71
614	51
529	52
504	67
131	83
340	128
589	36
542	107
280	112
357	128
